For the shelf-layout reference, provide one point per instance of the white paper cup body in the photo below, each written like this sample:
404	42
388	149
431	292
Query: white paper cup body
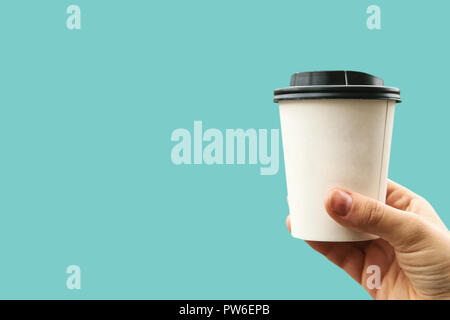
333	143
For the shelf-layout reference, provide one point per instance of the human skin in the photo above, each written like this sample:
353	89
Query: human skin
413	251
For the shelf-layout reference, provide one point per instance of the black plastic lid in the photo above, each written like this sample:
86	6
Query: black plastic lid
336	85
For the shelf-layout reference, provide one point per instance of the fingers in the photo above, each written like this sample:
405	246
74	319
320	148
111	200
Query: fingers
404	199
360	213
399	197
347	256
394	187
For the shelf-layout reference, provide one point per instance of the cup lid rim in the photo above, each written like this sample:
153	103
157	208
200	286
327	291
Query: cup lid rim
336	85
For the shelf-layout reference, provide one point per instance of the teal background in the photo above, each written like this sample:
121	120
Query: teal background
85	123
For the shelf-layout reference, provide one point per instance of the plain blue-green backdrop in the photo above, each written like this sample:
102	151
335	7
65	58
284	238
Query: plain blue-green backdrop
85	121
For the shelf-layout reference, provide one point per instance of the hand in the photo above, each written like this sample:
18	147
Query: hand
413	252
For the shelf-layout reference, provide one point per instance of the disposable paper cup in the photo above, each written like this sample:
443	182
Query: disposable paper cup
336	130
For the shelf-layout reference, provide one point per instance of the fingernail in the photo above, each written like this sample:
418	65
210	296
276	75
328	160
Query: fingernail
340	202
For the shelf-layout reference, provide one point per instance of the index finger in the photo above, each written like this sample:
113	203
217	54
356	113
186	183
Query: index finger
398	196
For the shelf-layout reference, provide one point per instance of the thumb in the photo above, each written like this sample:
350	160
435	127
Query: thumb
360	213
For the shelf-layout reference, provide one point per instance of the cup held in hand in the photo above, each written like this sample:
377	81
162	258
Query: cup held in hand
336	130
